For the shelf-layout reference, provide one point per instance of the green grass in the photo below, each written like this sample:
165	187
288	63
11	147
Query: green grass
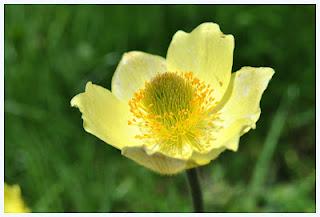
52	51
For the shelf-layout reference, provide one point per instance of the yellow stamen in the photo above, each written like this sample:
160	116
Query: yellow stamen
173	110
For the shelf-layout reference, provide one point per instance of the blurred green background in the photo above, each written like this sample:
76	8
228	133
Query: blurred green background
52	51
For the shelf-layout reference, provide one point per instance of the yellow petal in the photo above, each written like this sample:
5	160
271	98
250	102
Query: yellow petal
241	109
13	201
134	69
206	52
105	116
157	162
202	159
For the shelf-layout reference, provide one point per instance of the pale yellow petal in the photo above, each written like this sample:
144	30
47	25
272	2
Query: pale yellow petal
134	69
241	108
157	162
13	200
206	52
105	116
205	158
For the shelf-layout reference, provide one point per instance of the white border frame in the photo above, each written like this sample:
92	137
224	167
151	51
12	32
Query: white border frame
150	2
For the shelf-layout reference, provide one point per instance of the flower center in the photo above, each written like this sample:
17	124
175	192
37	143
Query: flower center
175	114
168	95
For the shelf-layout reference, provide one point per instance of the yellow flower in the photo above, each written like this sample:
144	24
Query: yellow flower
13	202
180	112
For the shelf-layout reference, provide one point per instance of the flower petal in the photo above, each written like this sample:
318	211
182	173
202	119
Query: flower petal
202	159
13	200
134	69
157	162
206	52
241	109
105	116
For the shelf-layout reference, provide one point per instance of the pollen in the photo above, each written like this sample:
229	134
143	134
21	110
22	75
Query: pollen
175	113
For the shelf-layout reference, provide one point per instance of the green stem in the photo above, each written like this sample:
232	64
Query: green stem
195	189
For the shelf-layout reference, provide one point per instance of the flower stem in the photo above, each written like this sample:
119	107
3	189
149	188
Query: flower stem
195	189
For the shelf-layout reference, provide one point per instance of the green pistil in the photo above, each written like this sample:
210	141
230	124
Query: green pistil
168	93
